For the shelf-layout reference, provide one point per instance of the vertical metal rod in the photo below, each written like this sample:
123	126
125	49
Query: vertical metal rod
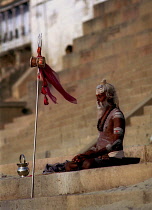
35	133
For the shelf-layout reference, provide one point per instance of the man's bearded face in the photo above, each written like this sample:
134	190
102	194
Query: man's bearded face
101	100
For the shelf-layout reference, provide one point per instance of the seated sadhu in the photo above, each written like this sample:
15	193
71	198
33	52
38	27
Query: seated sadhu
108	150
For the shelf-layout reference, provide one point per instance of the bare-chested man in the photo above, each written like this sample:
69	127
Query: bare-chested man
108	150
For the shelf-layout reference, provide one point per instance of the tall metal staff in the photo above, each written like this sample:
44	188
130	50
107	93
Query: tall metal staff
48	76
36	112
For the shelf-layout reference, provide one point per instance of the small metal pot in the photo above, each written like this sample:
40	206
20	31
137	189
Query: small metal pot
23	169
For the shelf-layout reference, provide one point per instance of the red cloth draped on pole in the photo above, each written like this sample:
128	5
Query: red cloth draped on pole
50	76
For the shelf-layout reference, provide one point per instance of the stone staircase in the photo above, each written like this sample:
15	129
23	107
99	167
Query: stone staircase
64	137
116	45
87	189
15	109
123	56
134	132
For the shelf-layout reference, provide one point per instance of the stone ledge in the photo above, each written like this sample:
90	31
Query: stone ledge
11	169
141	151
138	195
75	182
12	104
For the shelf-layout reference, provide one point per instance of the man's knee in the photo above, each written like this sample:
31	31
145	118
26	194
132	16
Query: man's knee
89	163
71	166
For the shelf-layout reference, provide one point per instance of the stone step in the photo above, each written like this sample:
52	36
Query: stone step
92	139
133	66
75	182
135	79
77	121
127	204
8	119
11	168
128	87
144	152
132	99
28	134
120	87
146	206
50	138
61	118
82	108
64	151
109	48
123	15
133	196
79	108
50	142
130	96
126	108
147	110
60	152
25	120
68	127
135	71
70	148
141	120
113	32
17	126
132	89
137	140
107	7
90	109
111	66
138	130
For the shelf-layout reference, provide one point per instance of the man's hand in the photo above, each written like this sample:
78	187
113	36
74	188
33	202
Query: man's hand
105	157
79	158
89	154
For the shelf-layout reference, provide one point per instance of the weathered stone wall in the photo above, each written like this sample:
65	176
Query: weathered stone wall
59	22
115	46
10	110
13	65
15	47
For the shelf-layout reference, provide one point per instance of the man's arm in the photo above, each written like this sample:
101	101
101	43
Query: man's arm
93	154
118	130
90	154
116	139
